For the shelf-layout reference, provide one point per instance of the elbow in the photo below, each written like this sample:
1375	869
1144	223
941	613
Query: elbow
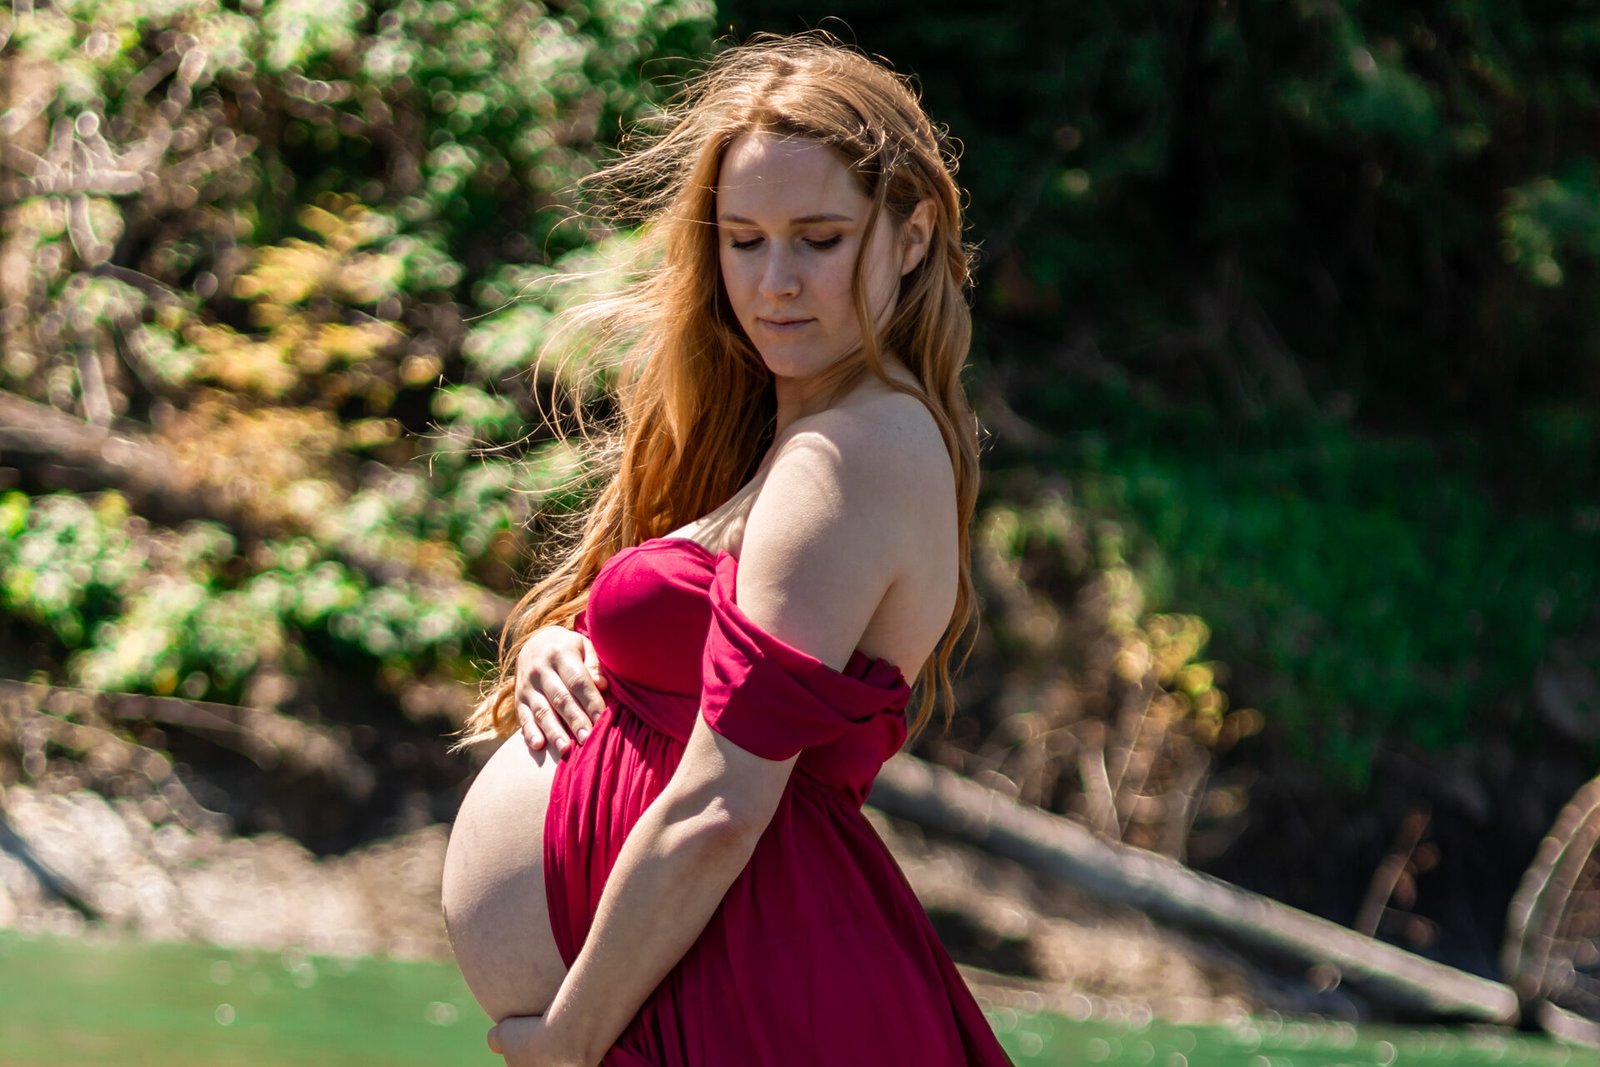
722	826
741	823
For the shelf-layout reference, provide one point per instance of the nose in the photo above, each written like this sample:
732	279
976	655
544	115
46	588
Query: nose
779	276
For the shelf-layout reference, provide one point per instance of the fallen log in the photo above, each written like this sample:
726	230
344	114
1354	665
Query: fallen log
267	738
67	452
1169	892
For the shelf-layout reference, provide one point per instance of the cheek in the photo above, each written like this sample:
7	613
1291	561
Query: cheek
882	291
841	284
732	282
882	275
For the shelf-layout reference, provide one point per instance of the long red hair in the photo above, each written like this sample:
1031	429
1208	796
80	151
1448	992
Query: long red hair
695	403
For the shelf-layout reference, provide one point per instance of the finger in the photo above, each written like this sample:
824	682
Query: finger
591	659
494	1041
575	699
580	680
541	728
558	693
575	720
518	1037
555	734
531	734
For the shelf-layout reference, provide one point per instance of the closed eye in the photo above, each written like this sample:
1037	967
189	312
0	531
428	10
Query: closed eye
817	244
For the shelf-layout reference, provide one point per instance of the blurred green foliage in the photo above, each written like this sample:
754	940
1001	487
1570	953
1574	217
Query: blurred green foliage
146	609
1303	298
1383	593
1252	203
249	234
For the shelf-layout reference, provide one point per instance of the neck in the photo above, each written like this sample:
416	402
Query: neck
798	397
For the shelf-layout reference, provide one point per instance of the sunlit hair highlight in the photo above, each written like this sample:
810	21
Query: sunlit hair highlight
695	402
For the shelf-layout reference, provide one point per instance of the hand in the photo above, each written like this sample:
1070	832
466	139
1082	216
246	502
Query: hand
525	1041
558	684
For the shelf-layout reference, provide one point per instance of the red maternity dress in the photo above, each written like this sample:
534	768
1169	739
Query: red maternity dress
819	952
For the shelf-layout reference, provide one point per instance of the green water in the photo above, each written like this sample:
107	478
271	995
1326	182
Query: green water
70	1002
1045	1039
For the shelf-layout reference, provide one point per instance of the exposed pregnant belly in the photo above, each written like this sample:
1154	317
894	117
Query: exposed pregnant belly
493	891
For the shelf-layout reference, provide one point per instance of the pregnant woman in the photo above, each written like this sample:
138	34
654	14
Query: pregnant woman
721	659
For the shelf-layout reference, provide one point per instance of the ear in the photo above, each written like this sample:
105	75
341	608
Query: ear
915	235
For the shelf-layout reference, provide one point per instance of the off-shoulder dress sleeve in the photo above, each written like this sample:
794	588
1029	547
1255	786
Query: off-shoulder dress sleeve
773	700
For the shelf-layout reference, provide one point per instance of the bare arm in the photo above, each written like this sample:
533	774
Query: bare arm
815	565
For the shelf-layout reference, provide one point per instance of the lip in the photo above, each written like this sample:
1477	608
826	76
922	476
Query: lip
783	324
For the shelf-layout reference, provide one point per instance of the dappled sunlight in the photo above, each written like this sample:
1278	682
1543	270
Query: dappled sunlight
1285	359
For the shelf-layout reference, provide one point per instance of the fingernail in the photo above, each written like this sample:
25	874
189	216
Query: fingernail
562	744
583	735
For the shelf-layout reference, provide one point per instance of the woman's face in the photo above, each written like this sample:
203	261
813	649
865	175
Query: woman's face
790	219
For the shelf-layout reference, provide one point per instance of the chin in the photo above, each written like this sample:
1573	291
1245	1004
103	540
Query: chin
798	366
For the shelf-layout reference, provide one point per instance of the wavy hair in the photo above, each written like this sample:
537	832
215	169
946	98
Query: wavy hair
694	400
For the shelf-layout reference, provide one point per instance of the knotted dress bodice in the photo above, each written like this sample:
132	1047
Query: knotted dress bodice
673	642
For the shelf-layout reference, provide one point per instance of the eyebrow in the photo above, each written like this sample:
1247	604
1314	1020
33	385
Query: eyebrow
800	221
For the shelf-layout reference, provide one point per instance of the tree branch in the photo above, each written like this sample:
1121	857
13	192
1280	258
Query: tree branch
64	451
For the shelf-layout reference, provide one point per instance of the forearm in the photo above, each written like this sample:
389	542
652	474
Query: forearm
669	878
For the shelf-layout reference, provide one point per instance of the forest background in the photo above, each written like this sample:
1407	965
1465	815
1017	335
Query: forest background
1287	355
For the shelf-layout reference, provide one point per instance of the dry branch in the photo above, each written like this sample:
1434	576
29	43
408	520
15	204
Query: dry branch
1170	892
266	738
1386	879
66	451
1538	952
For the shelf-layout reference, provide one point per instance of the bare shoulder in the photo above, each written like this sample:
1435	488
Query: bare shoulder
883	442
852	540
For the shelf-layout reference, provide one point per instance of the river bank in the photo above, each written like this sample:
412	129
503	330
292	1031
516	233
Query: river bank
1021	941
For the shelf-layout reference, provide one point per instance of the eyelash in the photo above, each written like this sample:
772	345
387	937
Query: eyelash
821	246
